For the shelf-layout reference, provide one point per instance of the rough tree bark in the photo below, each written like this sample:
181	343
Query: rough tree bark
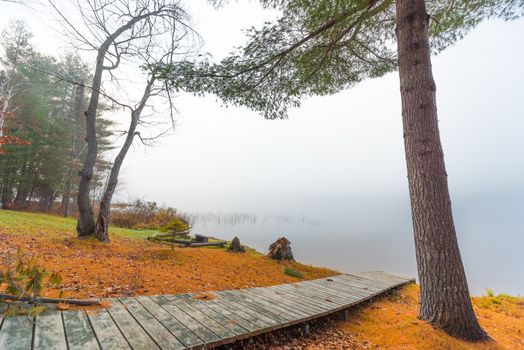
102	222
445	299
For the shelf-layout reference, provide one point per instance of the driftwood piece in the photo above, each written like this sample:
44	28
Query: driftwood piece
84	302
207	244
186	243
236	246
201	238
281	250
170	234
170	241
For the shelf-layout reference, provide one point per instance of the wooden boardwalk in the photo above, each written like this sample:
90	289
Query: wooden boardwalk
182	322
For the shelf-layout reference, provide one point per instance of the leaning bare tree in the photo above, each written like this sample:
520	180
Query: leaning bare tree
168	40
113	30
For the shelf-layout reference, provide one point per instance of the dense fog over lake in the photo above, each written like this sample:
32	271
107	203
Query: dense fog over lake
359	234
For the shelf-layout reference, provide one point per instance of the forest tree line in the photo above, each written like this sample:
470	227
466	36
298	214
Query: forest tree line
43	127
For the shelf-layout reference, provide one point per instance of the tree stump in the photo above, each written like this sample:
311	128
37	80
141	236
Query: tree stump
235	246
281	250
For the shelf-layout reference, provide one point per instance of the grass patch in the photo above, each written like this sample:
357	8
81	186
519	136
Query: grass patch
15	222
292	272
501	303
490	293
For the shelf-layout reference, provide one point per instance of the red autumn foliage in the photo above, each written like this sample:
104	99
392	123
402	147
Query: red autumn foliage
8	139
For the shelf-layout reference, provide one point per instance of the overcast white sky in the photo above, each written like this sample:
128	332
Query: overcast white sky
230	159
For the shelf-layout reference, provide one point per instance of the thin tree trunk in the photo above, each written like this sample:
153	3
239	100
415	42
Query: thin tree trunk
67	194
445	299
102	223
76	116
3	104
23	186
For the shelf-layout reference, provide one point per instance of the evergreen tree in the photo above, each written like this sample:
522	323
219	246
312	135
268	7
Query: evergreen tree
46	115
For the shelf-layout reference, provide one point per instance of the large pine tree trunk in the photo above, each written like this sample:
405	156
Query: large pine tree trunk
445	299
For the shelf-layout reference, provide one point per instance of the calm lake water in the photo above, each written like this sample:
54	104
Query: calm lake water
376	234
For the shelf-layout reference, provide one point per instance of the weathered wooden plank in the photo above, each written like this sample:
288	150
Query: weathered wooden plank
319	302
339	290
78	330
132	331
319	295
229	300
359	284
344	295
300	299
378	276
406	278
151	325
49	331
362	286
323	301
283	304
355	293
211	324
252	327
178	329
364	281
262	312
241	312
232	325
383	277
291	300
106	331
273	304
196	327
16	333
267	309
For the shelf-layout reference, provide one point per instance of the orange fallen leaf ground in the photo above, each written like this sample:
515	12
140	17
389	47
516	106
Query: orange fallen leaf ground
138	267
134	266
392	324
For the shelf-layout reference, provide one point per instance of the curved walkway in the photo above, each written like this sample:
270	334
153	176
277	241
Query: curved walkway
182	322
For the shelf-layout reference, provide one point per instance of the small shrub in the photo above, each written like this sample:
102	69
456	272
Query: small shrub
177	225
143	215
490	293
292	272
